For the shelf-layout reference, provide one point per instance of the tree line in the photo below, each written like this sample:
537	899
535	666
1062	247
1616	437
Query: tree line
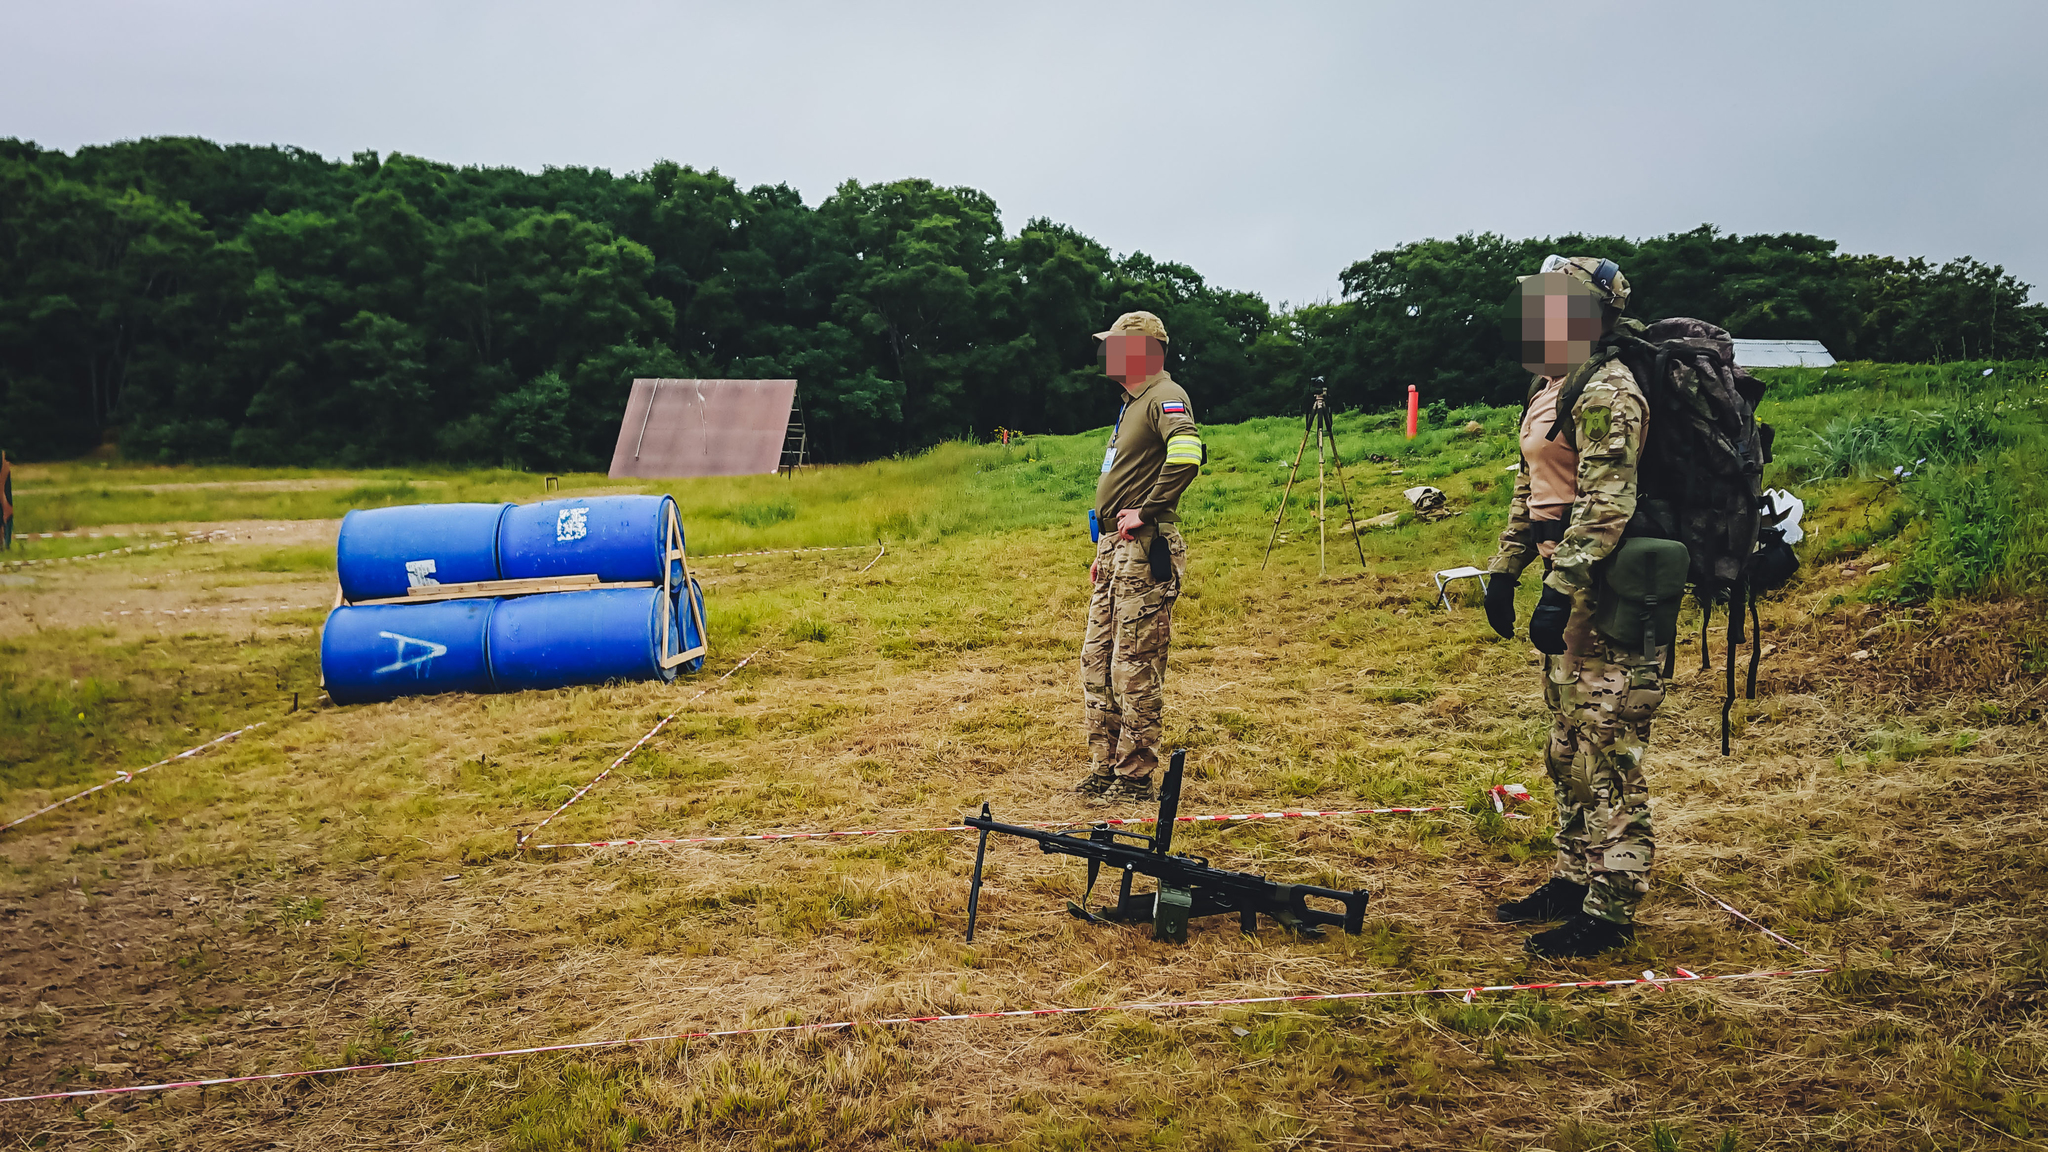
267	305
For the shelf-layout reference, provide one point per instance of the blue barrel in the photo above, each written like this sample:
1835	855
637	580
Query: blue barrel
382	551
564	638
384	651
615	538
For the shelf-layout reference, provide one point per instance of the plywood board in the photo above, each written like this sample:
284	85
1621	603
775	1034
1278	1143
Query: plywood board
703	428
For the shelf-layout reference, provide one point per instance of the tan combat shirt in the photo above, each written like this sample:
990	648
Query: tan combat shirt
1609	421
1153	455
1550	467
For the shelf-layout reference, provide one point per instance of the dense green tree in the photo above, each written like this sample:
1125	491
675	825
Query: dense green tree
269	305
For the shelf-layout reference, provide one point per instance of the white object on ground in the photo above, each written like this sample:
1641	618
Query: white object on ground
1444	578
1786	509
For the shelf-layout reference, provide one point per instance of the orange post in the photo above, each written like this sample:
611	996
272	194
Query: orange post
1414	406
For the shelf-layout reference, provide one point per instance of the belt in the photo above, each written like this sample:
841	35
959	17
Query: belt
1551	530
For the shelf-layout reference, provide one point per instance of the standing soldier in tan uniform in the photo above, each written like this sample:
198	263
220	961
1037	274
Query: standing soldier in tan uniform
1574	494
1154	453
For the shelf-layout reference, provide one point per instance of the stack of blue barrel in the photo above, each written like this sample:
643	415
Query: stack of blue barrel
494	642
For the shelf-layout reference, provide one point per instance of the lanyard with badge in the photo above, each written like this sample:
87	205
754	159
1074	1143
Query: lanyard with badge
1108	459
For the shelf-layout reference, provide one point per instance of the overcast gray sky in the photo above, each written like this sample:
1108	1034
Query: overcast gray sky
1266	145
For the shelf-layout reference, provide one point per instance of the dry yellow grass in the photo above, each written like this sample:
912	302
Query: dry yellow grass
344	888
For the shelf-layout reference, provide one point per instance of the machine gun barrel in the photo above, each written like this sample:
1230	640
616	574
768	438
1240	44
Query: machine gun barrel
1188	886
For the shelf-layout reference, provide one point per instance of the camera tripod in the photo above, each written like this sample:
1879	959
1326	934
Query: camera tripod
1320	426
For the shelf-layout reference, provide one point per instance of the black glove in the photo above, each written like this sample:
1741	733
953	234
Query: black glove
1546	627
1500	602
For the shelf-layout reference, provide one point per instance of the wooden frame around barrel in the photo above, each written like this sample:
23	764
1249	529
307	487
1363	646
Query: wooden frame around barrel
674	551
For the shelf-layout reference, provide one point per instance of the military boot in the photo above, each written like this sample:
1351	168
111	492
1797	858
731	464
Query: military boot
1132	788
1095	783
1557	899
1580	937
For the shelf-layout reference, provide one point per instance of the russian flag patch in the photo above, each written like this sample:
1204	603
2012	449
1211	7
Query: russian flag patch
1173	406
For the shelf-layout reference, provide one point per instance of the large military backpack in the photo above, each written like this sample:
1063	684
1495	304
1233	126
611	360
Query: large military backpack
1700	476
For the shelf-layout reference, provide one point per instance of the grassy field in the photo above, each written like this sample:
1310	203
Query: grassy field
341	885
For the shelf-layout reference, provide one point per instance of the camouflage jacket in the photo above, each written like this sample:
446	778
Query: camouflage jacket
1610	420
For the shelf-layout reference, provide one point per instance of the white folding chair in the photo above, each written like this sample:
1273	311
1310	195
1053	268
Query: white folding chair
1444	578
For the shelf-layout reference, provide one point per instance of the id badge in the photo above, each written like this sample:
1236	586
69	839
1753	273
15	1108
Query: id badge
1108	457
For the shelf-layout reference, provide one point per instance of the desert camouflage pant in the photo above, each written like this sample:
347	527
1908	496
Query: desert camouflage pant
1123	655
1601	704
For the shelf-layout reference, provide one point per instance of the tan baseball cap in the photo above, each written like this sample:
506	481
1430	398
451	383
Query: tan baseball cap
1143	322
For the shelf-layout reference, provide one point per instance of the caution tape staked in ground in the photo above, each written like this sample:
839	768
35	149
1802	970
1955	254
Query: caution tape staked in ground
1467	994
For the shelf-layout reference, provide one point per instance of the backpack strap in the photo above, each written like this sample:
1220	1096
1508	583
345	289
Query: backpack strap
1706	618
1574	387
1756	640
1735	603
1728	699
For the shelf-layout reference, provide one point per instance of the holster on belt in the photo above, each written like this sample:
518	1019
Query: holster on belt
1161	557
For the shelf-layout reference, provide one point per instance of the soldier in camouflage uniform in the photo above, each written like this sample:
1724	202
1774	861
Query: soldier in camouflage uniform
1154	453
1574	494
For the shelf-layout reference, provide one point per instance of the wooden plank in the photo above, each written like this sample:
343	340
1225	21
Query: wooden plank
680	657
501	587
489	589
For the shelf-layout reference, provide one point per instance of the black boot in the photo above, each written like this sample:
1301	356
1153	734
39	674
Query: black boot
1580	937
1132	788
1556	900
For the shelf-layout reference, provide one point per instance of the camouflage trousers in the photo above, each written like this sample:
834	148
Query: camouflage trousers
1601	701
1123	655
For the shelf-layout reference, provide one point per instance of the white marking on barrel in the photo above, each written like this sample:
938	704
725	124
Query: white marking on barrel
432	648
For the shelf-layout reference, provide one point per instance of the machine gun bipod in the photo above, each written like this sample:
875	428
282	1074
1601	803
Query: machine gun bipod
1188	886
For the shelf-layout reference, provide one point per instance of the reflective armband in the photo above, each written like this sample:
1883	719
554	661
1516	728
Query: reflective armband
1184	448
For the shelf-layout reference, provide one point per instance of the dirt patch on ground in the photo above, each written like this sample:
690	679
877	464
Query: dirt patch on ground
218	583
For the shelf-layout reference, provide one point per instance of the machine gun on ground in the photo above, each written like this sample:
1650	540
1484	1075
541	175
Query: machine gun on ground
1188	887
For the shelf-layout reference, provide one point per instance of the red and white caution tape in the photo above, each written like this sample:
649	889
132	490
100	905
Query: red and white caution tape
225	608
1085	821
194	538
197	535
627	754
1467	994
1732	911
1506	796
86	535
780	552
125	777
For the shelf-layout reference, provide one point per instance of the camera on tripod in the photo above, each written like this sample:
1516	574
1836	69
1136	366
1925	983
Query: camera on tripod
1319	422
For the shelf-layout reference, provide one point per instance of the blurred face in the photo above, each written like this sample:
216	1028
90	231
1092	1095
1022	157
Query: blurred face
1555	320
1131	358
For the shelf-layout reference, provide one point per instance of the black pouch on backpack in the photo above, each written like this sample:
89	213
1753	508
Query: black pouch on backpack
1773	563
1640	589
